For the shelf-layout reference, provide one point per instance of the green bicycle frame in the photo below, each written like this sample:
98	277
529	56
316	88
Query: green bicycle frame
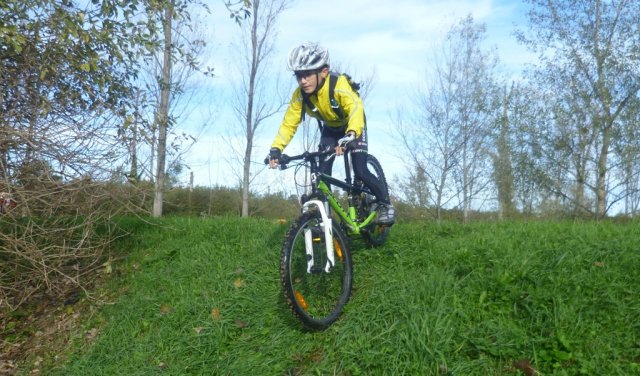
350	218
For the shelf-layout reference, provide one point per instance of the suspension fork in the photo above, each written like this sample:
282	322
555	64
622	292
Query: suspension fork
327	226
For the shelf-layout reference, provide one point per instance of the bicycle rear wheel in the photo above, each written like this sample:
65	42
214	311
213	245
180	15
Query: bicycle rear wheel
374	235
316	296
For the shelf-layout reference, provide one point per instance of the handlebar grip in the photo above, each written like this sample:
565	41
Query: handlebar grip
284	159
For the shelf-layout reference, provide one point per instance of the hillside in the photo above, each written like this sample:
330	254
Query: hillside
202	296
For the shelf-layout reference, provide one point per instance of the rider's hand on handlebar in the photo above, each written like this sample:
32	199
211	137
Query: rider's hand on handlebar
274	157
344	141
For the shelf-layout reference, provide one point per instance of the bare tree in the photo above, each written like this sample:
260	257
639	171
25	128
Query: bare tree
254	99
168	82
448	141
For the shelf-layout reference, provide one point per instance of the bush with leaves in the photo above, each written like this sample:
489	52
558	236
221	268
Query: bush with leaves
66	71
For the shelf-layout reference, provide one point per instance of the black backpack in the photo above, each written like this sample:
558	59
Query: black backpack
333	79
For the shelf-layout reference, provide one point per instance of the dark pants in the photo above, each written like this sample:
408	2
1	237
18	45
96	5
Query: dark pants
359	150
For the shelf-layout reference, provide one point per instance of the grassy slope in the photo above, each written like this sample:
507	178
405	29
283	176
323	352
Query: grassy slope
202	296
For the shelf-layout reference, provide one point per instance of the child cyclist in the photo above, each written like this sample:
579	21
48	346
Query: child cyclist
310	63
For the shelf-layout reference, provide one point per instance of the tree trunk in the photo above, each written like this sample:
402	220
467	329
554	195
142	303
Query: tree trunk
246	171
162	116
246	168
263	17
601	189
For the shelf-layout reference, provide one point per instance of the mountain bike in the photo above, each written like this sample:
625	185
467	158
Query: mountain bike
315	267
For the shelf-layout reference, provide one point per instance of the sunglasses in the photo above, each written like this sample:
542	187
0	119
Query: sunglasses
304	74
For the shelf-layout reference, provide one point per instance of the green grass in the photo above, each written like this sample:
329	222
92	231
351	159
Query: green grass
202	297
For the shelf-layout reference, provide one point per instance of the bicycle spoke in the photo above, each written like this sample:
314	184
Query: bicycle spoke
315	295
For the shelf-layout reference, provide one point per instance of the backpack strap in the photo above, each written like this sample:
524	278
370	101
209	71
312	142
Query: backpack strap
307	102
335	106
333	80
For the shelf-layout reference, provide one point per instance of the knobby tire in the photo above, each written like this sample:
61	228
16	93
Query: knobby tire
374	235
315	298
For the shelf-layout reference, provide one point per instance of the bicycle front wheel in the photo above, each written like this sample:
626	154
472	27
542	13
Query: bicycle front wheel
315	288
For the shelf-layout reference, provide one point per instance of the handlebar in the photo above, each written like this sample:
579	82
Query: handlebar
307	156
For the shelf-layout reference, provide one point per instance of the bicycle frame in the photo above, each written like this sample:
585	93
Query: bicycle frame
320	184
349	218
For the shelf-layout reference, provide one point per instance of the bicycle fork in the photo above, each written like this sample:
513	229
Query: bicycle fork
326	225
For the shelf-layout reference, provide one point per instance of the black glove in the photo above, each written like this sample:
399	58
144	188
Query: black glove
275	154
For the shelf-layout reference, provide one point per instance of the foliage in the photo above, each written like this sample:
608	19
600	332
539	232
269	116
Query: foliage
222	201
588	71
239	10
65	79
202	296
567	131
64	60
69	100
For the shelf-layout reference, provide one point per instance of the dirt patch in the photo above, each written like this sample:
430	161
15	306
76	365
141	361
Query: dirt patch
39	334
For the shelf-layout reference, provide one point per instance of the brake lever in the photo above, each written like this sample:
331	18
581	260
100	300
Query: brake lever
329	156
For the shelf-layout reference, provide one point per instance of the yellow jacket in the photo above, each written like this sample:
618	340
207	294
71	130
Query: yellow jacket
348	100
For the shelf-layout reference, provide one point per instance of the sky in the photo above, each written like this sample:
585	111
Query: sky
393	38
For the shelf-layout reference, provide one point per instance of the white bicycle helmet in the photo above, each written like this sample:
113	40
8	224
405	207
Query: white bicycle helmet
308	56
